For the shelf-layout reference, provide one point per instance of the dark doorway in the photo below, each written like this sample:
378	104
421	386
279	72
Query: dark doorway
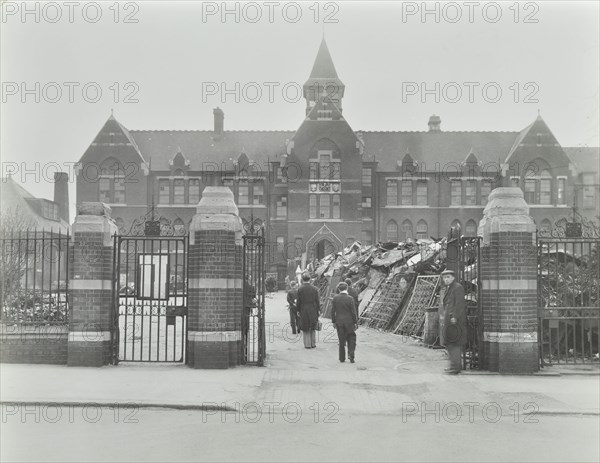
324	248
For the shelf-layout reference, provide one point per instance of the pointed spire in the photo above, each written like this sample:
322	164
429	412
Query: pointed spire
323	67
539	116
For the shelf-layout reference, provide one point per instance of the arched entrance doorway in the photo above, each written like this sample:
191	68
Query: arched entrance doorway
324	248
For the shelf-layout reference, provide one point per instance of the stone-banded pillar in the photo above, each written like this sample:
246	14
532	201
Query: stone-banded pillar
90	285
215	282
509	284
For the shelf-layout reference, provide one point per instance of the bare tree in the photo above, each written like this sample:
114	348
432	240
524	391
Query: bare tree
13	253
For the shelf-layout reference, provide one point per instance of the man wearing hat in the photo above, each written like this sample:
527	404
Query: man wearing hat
455	321
352	293
344	318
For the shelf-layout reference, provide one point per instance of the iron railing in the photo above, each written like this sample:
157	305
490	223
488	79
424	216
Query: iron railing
568	299
468	275
34	277
253	313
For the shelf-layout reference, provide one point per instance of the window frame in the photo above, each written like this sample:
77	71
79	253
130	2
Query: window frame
243	183
191	182
394	184
424	184
313	206
394	224
406	199
453	194
281	205
470	198
178	198
167	182
420	232
367	174
483	199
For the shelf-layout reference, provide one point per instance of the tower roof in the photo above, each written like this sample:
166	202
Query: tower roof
323	67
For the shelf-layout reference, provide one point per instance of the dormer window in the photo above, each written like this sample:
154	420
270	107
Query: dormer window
179	161
50	210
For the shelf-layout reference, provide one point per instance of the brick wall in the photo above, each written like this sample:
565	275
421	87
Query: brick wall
509	284
91	315
215	282
45	344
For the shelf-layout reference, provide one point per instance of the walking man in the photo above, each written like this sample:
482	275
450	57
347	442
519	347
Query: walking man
344	318
309	306
291	299
455	321
354	294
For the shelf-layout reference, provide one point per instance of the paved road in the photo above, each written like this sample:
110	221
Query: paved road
159	435
392	405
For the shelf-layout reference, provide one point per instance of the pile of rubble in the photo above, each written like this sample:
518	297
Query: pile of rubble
397	282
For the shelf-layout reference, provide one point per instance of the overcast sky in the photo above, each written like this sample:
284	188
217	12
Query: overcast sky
383	53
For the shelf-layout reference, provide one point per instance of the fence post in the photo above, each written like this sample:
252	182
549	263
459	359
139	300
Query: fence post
509	283
90	321
215	282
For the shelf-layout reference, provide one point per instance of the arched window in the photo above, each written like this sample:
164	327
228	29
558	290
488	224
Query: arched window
179	227
471	228
422	230
392	231
456	224
111	182
111	167
407	230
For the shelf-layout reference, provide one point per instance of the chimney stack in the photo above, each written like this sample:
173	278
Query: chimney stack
434	123
61	194
219	116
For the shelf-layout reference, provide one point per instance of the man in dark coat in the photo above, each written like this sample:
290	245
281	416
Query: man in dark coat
309	306
455	321
291	299
353	294
344	318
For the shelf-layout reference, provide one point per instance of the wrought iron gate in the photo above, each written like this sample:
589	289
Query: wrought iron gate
568	293
469	277
253	313
464	257
150	298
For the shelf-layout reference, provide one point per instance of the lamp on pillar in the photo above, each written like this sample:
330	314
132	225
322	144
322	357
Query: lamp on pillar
152	226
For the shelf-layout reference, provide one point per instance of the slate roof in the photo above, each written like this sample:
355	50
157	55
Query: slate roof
585	158
387	148
13	197
429	148
202	146
323	67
